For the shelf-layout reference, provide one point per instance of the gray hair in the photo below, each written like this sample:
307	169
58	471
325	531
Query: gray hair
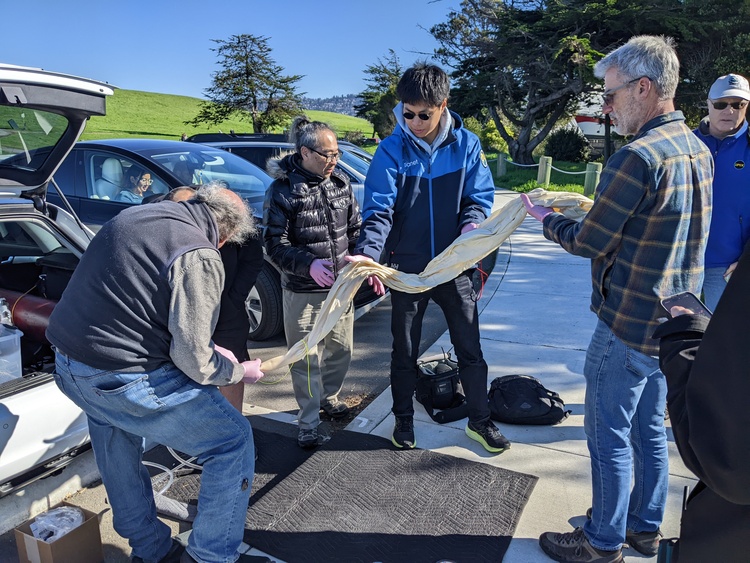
306	133
233	217
645	55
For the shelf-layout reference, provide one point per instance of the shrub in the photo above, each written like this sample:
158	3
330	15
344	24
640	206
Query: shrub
356	137
568	144
488	135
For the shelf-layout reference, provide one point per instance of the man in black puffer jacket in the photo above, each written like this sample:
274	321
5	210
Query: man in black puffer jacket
312	221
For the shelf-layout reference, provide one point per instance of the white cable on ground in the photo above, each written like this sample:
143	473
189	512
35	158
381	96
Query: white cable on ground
171	472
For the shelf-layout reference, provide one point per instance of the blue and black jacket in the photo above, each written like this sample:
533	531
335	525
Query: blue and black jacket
417	198
730	220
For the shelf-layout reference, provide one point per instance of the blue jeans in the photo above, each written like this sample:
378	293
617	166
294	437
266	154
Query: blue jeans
713	286
624	423
167	407
457	299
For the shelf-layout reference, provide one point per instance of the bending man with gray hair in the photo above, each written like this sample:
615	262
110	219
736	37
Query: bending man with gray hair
645	235
132	335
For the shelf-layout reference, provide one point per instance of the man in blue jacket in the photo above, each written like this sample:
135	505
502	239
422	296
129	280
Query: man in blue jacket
429	183
724	131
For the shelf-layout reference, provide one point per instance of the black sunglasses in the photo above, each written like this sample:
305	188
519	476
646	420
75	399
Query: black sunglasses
609	95
409	115
723	105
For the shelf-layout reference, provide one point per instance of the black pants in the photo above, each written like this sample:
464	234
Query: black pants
457	300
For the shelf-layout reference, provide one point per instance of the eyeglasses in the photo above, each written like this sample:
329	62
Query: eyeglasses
144	180
609	95
329	157
735	105
409	115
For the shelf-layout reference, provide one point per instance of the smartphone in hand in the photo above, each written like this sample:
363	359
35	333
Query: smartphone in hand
687	301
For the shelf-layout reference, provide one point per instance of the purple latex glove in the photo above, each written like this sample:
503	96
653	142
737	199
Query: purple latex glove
252	371
536	211
320	271
468	227
373	281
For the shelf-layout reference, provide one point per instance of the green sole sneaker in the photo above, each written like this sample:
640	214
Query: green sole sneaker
405	446
497	442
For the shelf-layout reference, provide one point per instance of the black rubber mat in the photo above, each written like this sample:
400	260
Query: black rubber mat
357	500
278	456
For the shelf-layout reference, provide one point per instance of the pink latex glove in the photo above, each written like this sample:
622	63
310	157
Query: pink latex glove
373	281
228	354
468	227
252	371
320	271
536	211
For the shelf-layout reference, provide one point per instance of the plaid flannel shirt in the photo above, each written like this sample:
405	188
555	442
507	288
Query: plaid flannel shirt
646	232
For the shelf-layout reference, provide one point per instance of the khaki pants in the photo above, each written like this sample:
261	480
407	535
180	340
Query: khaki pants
317	379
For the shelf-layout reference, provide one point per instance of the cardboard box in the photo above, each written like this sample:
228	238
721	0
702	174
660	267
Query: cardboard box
81	545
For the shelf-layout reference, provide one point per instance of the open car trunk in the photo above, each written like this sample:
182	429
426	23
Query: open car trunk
42	114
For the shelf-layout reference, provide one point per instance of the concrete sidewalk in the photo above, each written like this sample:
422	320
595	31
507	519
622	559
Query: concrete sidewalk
535	319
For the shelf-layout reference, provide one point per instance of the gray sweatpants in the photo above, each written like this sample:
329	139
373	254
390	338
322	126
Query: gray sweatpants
317	379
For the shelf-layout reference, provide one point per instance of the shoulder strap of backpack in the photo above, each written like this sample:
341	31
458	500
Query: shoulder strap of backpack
458	410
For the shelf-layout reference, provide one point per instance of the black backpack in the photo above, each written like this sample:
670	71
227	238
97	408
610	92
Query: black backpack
522	399
439	387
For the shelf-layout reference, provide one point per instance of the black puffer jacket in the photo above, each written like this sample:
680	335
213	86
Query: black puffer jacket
308	217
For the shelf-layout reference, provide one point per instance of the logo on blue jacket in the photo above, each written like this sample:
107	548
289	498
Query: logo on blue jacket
739	165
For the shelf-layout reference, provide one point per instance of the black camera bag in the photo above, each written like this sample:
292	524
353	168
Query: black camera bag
439	387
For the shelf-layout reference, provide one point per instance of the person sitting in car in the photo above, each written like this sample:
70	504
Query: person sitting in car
138	182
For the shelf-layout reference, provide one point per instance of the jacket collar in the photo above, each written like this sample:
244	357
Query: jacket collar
658	121
289	168
703	129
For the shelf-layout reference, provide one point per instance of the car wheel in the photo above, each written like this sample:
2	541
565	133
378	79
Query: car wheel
264	307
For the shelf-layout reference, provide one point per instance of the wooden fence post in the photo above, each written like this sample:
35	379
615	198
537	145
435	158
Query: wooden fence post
545	169
502	165
593	170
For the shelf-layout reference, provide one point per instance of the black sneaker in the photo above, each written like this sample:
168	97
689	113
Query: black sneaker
645	543
487	434
337	409
574	547
173	555
403	433
310	438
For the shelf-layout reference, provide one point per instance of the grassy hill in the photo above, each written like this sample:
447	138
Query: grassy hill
131	113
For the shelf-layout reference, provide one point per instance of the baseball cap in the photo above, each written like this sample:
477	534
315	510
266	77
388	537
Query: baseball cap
730	86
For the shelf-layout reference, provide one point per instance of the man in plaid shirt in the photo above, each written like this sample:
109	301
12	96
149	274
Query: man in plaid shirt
645	236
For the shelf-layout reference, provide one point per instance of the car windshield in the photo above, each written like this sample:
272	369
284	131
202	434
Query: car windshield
198	164
23	132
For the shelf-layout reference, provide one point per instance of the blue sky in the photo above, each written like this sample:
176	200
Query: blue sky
164	45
